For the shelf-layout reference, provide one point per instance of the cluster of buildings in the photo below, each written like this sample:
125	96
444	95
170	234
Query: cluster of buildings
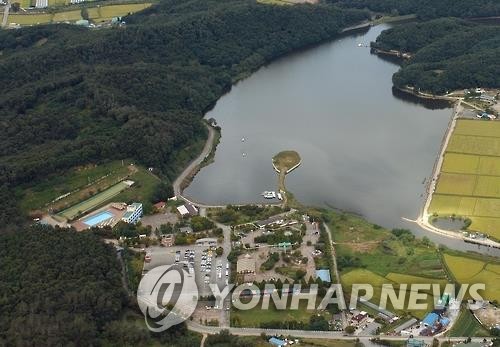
434	322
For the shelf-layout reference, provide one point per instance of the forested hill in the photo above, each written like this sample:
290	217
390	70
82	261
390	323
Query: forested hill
427	9
72	96
63	288
448	54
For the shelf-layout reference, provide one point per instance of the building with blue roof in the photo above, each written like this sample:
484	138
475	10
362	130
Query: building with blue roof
431	319
324	274
277	342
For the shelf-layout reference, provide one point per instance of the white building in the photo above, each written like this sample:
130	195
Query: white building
133	214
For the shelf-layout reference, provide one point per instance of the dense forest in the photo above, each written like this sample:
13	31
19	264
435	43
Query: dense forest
62	288
72	95
428	9
447	54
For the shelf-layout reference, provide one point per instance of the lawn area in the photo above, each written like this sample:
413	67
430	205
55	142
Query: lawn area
96	14
93	202
469	182
67	16
467	270
82	182
379	250
327	343
30	19
467	325
90	187
255	317
110	11
362	276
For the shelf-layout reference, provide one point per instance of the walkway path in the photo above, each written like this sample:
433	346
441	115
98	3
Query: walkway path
193	166
337	276
6	14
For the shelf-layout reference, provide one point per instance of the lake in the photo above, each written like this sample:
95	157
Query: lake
364	149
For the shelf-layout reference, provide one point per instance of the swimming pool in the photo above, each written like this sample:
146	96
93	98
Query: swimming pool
98	218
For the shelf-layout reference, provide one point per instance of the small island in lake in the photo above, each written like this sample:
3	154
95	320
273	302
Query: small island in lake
285	162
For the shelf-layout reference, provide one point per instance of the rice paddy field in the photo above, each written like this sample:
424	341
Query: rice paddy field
467	270
469	182
96	14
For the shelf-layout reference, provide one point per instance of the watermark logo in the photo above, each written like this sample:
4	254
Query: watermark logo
167	295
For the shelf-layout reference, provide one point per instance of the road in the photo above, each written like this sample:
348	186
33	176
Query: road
193	166
307	334
336	271
6	14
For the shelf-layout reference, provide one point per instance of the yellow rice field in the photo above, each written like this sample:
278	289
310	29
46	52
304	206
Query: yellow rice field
469	181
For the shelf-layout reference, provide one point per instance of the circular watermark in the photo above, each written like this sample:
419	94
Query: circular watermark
167	295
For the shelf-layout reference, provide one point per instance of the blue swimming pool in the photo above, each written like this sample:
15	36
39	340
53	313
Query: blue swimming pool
98	218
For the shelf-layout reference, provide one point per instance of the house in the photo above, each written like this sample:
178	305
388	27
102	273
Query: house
187	210
160	205
431	319
133	214
360	318
168	240
246	265
277	342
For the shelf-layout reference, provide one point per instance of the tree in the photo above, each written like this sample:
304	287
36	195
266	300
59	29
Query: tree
350	329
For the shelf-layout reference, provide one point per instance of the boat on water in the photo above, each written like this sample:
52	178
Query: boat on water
269	194
280	197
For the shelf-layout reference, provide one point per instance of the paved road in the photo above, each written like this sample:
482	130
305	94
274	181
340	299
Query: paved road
336	271
177	185
6	14
306	334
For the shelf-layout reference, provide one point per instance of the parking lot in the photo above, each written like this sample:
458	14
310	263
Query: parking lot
199	260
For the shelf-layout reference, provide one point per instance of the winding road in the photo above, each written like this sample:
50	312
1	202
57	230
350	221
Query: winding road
193	166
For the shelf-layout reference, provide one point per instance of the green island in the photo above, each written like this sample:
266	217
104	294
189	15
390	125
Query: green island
285	162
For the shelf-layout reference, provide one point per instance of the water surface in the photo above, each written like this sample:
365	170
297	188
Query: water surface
363	149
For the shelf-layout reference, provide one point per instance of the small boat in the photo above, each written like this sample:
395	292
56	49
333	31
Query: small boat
242	139
269	195
280	197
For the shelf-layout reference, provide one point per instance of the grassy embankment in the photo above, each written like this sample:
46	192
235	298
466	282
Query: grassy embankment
469	183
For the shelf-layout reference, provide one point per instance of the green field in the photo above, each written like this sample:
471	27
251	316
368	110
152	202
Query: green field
96	14
469	182
370	254
82	182
255	317
362	276
467	270
467	325
93	202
